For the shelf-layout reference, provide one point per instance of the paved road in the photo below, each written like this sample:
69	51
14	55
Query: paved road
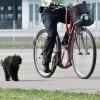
61	80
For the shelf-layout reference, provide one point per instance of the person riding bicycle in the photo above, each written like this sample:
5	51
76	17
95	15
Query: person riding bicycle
51	14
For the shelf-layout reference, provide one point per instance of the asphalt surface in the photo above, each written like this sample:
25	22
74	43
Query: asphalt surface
62	79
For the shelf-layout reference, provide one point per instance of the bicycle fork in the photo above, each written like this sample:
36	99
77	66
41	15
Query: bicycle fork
78	45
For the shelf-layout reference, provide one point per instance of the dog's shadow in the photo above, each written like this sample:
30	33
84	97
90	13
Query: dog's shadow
32	80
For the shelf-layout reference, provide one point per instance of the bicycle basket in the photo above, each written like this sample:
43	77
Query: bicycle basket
79	10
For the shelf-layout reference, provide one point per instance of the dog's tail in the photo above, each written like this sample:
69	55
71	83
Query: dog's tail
1	62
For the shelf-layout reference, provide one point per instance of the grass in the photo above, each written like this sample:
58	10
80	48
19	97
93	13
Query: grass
20	44
21	94
98	44
24	44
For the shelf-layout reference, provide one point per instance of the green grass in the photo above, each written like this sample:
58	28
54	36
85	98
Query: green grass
21	94
20	44
98	44
25	44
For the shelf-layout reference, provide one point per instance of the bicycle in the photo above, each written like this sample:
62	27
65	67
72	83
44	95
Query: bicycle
81	44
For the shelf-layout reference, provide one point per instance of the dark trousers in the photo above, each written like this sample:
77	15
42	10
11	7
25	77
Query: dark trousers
50	18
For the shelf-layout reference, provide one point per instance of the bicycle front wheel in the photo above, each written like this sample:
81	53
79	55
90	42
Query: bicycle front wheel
38	57
83	53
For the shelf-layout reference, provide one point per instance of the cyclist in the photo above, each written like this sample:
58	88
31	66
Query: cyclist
51	15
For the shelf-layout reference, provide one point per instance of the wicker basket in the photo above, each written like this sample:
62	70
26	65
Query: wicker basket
83	9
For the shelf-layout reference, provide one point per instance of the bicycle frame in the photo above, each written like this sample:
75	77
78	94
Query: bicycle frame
69	31
80	44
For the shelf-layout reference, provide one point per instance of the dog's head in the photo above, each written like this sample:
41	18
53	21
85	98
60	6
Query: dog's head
16	60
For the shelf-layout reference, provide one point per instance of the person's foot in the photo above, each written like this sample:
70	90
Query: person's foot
65	40
64	43
46	67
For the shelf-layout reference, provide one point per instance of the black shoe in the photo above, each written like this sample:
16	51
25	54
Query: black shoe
46	67
64	40
64	43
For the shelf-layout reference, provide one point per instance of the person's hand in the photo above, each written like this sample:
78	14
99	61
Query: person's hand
75	2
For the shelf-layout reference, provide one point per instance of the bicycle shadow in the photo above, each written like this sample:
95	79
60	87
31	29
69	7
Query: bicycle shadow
67	77
95	78
60	78
75	77
48	79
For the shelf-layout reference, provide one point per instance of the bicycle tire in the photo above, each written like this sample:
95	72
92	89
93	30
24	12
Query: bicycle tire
36	61
77	70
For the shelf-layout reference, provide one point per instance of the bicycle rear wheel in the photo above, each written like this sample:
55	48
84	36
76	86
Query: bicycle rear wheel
37	53
83	53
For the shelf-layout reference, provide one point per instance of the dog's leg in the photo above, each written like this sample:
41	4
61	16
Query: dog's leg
17	74
7	76
14	76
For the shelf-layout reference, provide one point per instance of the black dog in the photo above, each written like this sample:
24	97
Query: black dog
11	66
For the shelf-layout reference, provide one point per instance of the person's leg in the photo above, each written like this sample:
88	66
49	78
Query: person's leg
50	24
65	39
51	29
50	20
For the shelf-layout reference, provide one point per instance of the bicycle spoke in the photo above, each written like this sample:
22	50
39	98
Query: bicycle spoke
84	44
